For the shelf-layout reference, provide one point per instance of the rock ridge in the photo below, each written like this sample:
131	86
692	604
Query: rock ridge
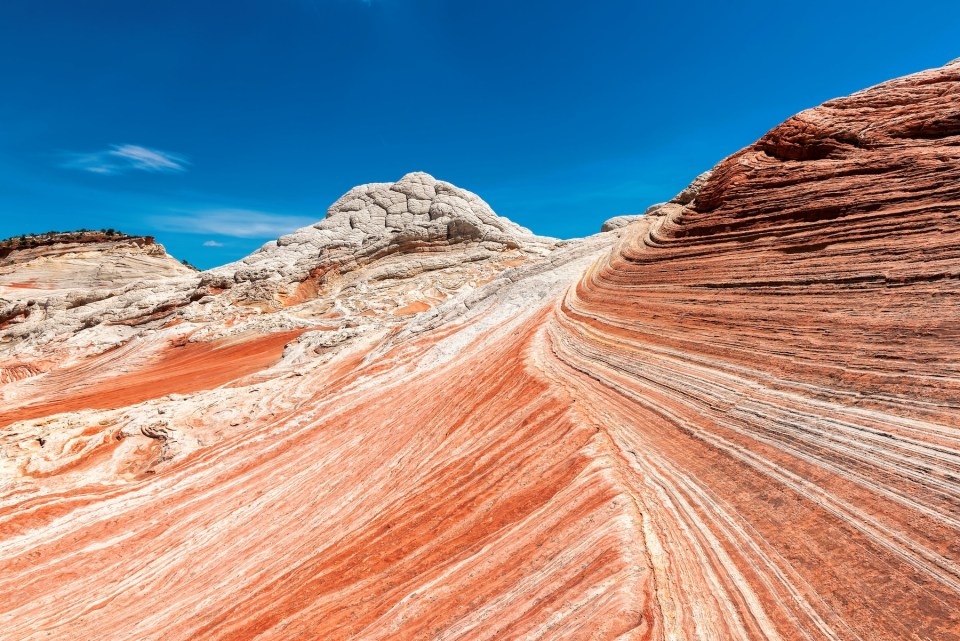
735	417
418	214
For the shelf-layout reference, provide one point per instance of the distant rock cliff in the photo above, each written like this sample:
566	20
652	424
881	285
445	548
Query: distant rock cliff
39	266
733	417
43	276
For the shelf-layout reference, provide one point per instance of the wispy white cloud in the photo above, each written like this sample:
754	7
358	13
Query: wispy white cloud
212	243
235	223
149	159
119	159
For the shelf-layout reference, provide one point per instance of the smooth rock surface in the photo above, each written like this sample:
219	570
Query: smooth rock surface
735	418
779	366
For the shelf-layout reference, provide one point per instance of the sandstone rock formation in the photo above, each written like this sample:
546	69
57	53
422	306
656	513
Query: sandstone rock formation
73	267
734	418
685	197
416	215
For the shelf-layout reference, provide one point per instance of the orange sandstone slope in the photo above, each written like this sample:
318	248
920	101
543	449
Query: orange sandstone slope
735	418
779	365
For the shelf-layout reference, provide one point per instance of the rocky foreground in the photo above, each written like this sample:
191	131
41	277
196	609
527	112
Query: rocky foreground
735	417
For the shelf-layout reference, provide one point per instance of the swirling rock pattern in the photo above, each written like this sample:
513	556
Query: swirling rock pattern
735	417
79	265
779	364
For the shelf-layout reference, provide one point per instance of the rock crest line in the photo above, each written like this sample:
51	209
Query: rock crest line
736	416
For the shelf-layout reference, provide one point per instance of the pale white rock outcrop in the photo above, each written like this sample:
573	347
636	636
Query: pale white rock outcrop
685	197
416	214
84	268
384	251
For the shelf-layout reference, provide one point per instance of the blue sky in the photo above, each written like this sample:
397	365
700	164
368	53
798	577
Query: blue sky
219	125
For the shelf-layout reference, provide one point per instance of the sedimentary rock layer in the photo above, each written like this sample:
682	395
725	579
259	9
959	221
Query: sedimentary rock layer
61	266
137	372
779	365
733	418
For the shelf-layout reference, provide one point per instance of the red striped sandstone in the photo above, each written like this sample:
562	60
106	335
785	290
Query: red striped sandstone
739	422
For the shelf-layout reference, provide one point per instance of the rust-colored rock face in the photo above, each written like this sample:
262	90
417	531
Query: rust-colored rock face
734	418
780	364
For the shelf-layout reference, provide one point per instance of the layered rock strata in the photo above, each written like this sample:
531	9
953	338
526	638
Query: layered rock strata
778	365
733	418
69	273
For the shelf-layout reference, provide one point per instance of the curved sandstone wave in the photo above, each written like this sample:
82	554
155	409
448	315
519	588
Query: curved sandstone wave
779	364
733	418
123	377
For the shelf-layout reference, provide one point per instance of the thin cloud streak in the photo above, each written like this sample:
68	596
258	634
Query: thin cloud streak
119	159
234	223
149	159
212	243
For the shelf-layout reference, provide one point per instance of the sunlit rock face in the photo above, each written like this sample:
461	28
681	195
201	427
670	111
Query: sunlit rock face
88	261
778	365
417	224
735	417
61	272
